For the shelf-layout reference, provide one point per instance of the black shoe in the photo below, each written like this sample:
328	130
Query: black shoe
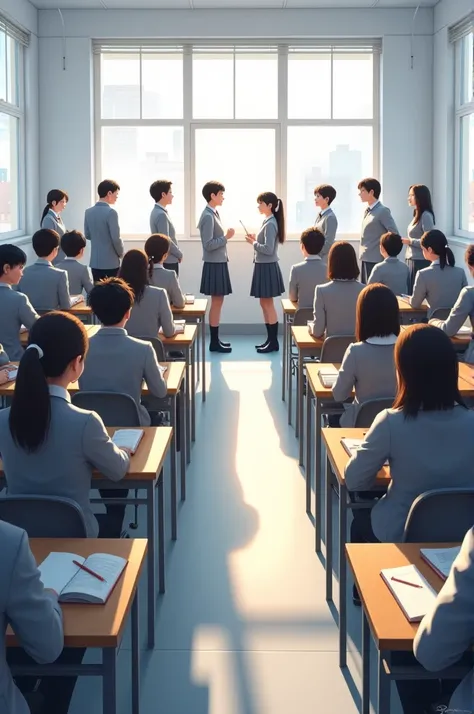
271	346
264	344
218	347
224	344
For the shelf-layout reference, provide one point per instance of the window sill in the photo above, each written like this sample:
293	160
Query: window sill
19	240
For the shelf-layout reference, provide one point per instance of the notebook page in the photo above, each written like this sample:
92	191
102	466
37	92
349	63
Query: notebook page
351	446
129	438
12	373
58	569
415	602
189	299
104	564
76	299
328	377
441	559
464	330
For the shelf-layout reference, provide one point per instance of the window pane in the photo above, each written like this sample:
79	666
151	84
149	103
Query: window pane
13	50
467	69
137	156
3	67
467	174
353	86
309	86
256	86
336	155
120	91
9	160
244	161
162	81
213	86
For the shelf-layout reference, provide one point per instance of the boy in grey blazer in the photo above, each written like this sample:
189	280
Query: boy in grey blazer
305	276
391	272
101	227
79	275
160	222
326	222
157	248
46	287
377	221
15	308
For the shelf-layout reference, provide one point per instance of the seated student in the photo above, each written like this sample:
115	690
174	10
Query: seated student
326	222
368	365
4	359
311	271
441	283
73	245
335	302
391	272
48	446
157	249
117	362
46	287
15	308
151	307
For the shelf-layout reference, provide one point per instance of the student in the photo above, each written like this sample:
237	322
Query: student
157	248
419	197
326	222
56	202
391	272
312	271
377	221
215	279
368	364
73	244
117	362
160	222
15	308
151	307
101	227
334	310
48	446
46	287
441	283
4	359
267	280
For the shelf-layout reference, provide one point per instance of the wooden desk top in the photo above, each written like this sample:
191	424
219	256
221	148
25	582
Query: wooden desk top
185	339
289	307
304	340
197	309
90	329
96	625
404	305
466	376
340	457
81	309
457	340
390	628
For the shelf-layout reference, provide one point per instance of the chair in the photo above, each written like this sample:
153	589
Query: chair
369	410
114	408
443	515
44	516
334	347
157	346
441	313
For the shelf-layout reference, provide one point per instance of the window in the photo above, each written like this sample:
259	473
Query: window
257	118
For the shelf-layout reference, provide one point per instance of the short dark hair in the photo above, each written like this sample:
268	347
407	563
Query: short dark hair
342	262
107	186
392	243
468	255
377	313
158	188
110	299
313	240
326	191
427	368
212	187
11	255
72	243
371	184
45	241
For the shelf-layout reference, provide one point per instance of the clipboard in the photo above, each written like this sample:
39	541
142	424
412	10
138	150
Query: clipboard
246	231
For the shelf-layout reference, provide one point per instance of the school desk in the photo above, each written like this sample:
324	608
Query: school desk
197	313
289	310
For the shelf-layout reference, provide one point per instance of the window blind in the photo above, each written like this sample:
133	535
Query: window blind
245	45
462	28
13	31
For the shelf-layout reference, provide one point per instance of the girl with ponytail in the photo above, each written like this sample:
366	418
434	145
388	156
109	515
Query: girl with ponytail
56	201
157	249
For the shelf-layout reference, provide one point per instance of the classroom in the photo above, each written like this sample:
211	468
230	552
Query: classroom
237	275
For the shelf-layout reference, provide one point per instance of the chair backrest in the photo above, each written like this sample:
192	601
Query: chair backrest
334	347
441	313
157	346
44	516
302	315
370	409
114	408
443	515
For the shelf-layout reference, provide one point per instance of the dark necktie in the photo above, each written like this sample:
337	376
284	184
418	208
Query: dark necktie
218	216
367	211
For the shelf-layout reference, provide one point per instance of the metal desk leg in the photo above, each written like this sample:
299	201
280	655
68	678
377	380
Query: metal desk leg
342	576
284	366
318	477
365	665
328	532
188	409
161	537
301	417
151	535
203	356
309	406
174	512
109	680
193	393
290	379
299	395
383	686
182	445
135	656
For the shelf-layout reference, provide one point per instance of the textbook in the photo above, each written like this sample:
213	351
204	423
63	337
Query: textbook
76	299
12	372
189	299
92	583
179	326
410	589
440	559
328	376
353	445
128	438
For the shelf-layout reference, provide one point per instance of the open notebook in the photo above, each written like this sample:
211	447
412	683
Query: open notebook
179	326
76	299
464	330
128	438
440	559
328	376
351	446
73	584
12	372
416	598
189	299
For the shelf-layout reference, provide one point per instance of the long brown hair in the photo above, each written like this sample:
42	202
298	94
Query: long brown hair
423	202
134	270
156	247
277	210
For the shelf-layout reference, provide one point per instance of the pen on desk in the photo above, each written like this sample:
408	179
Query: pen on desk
405	582
88	570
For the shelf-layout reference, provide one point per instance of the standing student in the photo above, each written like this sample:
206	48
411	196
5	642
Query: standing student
56	202
311	272
101	227
267	280
419	197
157	248
160	222
15	308
73	244
391	272
46	287
326	222
377	221
441	283
215	279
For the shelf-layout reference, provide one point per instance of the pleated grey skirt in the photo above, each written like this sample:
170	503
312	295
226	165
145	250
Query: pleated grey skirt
267	281
215	279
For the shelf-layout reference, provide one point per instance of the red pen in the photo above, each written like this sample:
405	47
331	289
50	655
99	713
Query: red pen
87	570
405	582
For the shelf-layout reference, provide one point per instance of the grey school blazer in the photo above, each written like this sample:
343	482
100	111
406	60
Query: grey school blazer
168	280
152	312
55	223
377	221
214	242
79	276
33	613
4	358
77	443
392	273
440	288
160	223
334	310
415	232
47	287
447	631
15	311
326	222
434	450
463	309
119	363
304	277
101	227
266	242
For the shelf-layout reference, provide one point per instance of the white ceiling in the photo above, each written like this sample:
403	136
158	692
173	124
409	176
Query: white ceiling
224	4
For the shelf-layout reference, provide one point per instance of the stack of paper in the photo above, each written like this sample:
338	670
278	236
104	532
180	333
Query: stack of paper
410	589
328	376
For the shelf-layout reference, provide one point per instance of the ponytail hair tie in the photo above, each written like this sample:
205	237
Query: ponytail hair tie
277	206
37	348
